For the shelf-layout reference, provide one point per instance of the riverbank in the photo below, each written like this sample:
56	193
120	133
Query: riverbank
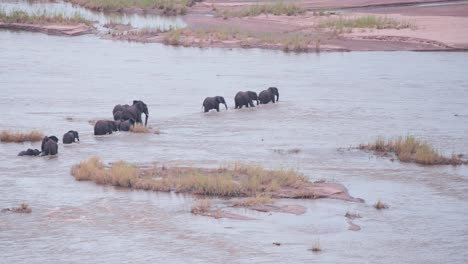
296	28
305	26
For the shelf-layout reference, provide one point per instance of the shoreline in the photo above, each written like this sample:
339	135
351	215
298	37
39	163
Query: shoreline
423	29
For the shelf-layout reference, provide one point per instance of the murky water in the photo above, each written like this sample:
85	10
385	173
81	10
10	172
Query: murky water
69	10
327	101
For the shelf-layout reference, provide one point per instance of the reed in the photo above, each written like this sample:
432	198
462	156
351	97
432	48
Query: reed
18	137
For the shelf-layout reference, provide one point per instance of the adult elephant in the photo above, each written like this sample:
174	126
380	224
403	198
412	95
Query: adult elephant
269	95
49	146
126	112
213	103
104	127
245	99
70	137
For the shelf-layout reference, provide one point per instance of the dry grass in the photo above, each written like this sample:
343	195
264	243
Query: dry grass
167	7
379	205
277	8
18	137
139	128
22	209
295	42
316	247
255	200
201	207
343	24
411	149
236	180
18	16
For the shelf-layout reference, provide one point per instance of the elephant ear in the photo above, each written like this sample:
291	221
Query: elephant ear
54	138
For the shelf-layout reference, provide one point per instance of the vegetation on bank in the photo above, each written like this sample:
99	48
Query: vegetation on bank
411	149
342	24
167	7
295	42
235	180
18	137
277	9
18	16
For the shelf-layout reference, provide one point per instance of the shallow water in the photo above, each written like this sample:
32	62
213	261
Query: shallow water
327	101
69	10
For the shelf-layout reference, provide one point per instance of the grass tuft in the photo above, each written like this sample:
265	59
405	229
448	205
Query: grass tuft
352	215
23	208
316	247
411	149
379	205
201	207
18	137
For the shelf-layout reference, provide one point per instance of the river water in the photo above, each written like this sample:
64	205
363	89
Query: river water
328	101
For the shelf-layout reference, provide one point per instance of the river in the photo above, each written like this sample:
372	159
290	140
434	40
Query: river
328	101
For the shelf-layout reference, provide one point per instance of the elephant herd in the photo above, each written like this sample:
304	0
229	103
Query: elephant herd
243	99
49	145
125	116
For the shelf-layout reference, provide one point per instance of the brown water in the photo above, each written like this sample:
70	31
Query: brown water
327	101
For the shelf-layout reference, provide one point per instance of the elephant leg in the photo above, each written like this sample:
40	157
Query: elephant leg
217	108
206	109
251	104
273	99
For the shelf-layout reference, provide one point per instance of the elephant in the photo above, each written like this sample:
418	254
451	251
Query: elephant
268	95
125	112
70	137
245	99
103	127
49	146
213	103
125	125
30	152
118	111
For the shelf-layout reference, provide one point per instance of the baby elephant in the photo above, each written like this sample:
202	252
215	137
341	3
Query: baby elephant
269	95
70	137
49	146
104	127
125	125
29	152
213	103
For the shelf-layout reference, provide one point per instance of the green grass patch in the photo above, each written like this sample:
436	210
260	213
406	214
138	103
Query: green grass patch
18	16
168	7
365	22
277	8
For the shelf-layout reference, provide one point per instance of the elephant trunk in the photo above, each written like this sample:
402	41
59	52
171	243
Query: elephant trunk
277	96
146	119
226	106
